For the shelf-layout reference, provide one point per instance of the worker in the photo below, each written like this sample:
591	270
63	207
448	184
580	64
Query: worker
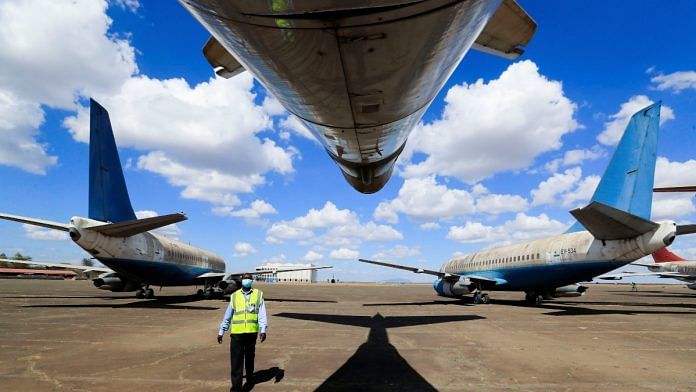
247	312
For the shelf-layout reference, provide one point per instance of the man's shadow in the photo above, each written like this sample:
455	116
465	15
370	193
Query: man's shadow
275	373
377	365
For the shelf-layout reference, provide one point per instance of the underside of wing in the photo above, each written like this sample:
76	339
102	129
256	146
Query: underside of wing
83	268
509	29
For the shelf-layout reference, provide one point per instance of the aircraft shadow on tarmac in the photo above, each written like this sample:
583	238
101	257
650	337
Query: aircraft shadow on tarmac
570	308
377	365
461	302
169	302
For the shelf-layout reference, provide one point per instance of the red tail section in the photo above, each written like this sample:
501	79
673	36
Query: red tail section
664	256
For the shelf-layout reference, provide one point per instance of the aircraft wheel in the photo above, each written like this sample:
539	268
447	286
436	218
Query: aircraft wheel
208	294
199	293
149	293
477	299
538	300
485	299
140	294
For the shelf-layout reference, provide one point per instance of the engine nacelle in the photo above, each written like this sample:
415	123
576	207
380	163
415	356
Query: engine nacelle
572	290
456	288
112	282
692	286
228	286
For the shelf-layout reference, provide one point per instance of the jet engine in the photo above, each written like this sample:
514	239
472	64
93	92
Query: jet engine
453	288
572	290
228	286
112	282
692	286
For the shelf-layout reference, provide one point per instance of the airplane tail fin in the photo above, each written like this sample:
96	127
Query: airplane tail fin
664	255
627	183
108	195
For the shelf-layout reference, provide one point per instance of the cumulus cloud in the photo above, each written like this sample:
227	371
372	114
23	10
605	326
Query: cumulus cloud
614	128
430	226
575	157
425	199
497	204
676	81
312	256
254	212
673	173
242	249
52	52
517	116
522	228
548	189
397	252
37	233
172	231
332	226
344	254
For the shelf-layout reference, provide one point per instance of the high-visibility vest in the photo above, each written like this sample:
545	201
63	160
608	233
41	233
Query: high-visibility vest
245	316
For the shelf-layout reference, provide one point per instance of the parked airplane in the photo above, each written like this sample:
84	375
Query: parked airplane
667	265
359	74
136	258
617	230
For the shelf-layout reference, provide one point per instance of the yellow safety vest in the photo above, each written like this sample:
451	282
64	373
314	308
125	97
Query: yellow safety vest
245	318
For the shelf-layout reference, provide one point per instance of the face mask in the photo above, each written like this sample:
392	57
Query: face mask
246	283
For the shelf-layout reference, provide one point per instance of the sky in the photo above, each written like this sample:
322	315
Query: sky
503	153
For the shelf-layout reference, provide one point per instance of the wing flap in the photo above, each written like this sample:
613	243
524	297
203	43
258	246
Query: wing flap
509	28
137	226
224	63
609	223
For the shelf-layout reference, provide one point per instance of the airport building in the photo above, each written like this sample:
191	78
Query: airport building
274	275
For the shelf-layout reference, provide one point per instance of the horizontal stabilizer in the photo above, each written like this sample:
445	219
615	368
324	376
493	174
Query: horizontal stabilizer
686	229
82	268
609	223
508	29
224	63
137	226
36	222
441	275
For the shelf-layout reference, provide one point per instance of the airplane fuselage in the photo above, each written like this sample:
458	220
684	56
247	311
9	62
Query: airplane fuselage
550	263
146	258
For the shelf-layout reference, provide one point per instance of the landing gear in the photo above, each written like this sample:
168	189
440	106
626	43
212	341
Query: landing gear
533	298
208	291
145	292
480	297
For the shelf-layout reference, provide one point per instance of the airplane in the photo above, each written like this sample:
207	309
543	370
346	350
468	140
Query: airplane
613	230
136	257
667	265
358	74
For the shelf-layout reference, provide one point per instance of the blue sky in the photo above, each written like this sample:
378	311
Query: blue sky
529	139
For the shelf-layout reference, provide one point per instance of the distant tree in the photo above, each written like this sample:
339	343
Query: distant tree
87	262
19	256
3	256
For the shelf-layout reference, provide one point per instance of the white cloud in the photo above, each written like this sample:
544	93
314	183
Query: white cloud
37	233
51	53
672	173
172	231
582	192
312	256
242	249
397	252
344	254
614	128
523	227
340	227
430	226
558	183
498	204
425	199
256	209
575	157
676	81
292	124
491	127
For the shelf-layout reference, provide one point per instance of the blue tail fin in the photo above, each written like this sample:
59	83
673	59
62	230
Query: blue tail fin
108	195
627	184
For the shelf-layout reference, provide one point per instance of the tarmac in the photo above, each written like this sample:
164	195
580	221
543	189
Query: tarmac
69	336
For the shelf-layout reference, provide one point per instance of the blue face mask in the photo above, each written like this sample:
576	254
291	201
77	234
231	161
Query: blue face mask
246	283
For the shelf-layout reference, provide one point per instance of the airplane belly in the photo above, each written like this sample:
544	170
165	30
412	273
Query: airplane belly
358	74
155	273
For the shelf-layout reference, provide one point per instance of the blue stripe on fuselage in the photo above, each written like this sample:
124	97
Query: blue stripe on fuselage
547	275
157	273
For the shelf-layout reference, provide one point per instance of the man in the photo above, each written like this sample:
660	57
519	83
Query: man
247	311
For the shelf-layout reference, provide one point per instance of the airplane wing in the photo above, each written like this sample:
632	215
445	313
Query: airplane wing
224	64
441	275
83	268
674	275
229	275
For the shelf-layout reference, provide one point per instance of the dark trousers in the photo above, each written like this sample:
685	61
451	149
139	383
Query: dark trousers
242	351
